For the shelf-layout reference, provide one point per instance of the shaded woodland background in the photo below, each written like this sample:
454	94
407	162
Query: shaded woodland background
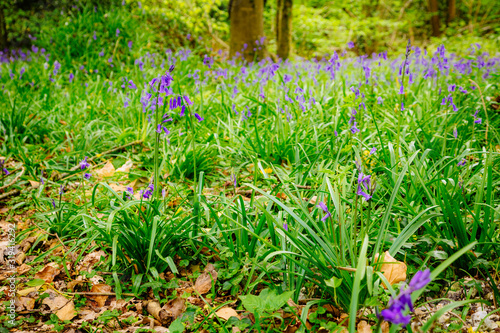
303	28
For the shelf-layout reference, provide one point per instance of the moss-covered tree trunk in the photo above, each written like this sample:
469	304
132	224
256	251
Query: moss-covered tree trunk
433	8
452	11
247	29
3	30
284	28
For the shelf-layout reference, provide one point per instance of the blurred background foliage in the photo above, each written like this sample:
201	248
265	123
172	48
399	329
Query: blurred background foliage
319	26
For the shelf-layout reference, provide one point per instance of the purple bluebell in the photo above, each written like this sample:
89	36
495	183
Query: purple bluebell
130	44
350	45
200	118
54	203
117	32
129	192
71	77
462	162
95	35
364	184
396	313
373	150
84	164
285	226
325	210
87	175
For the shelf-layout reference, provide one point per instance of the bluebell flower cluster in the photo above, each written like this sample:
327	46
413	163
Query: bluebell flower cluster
396	313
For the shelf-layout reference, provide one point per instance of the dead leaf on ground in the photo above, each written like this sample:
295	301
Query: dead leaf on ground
34	184
48	273
364	327
65	308
25	303
281	195
203	283
23	269
118	187
385	327
226	313
100	288
90	260
175	307
26	291
108	170
4	210
67	312
393	270
125	167
72	284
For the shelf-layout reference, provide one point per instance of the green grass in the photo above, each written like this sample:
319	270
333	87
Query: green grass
424	209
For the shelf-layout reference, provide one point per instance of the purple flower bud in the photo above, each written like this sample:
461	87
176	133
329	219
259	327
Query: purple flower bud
117	32
200	118
129	44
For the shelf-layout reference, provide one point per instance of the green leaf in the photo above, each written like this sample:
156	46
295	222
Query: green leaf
252	303
35	283
334	282
177	326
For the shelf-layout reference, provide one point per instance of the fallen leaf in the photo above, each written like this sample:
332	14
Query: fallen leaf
67	312
393	270
100	288
64	307
4	210
48	273
90	260
175	307
117	187
203	283
313	200
364	327
62	122
23	269
281	195
25	303
26	291
108	170
34	184
72	284
226	313
385	327
125	167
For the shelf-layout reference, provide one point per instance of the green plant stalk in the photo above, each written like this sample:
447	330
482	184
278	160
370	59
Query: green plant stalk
157	142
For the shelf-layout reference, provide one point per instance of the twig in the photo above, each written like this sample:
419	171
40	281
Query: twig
15	179
97	294
8	194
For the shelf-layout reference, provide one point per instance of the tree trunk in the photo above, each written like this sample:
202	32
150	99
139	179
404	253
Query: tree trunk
284	28
3	30
433	6
452	11
247	29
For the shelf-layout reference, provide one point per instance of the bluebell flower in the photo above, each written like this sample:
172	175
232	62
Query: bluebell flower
325	210
350	45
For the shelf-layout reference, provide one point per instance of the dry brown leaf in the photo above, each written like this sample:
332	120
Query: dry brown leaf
118	187
55	301
26	291
34	184
90	260
393	270
125	167
313	200
48	273
364	327
385	327
108	170
67	312
100	288
226	313
281	195
72	284
4	210
62	122
23	269
203	283
175	307
25	303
